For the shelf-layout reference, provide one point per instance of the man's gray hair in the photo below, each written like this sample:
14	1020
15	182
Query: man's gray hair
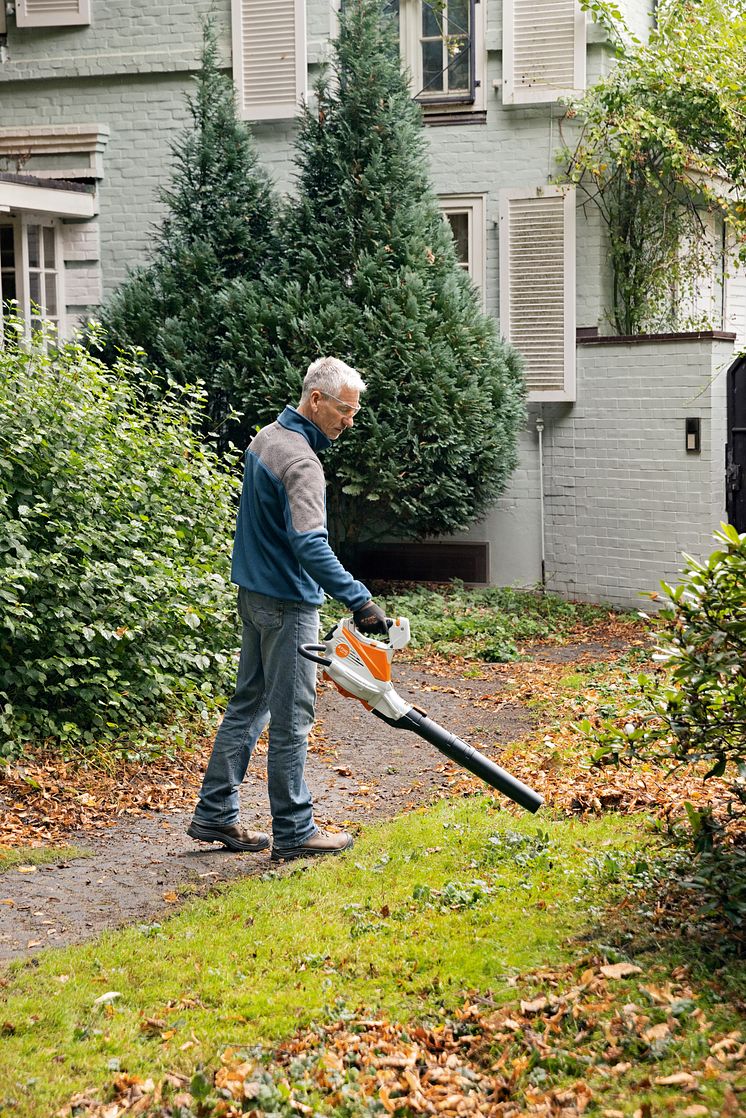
331	375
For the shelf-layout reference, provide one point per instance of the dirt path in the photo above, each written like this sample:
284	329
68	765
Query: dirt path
359	769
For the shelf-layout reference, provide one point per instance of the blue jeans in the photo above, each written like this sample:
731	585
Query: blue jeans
276	685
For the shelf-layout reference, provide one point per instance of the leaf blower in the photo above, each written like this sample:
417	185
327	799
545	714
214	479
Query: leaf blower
359	666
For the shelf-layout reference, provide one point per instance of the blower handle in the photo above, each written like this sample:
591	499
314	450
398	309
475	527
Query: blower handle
309	652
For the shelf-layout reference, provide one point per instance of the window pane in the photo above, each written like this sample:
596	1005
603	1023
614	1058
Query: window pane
432	66
9	286
32	239
458	17
50	292
49	248
34	288
460	228
458	66
432	21
7	253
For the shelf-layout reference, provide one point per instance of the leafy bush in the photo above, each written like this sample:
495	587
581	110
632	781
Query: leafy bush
695	710
692	711
114	549
482	623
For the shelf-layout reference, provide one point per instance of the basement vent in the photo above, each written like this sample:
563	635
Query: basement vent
425	562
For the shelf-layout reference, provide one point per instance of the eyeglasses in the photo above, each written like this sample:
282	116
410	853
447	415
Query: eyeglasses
345	409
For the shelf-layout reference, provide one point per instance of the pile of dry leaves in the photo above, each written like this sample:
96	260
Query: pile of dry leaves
600	1030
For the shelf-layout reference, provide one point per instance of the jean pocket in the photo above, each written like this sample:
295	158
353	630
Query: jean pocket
259	611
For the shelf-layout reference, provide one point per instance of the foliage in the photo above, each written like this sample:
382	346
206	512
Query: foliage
369	274
662	154
218	225
693	711
485	623
114	543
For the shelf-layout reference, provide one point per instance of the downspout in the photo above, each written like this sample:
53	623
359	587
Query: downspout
540	433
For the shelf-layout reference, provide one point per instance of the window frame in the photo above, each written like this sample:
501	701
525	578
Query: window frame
410	45
20	225
474	206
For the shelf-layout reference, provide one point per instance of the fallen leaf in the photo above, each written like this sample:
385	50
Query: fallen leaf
107	998
678	1079
171	897
620	970
26	869
8	901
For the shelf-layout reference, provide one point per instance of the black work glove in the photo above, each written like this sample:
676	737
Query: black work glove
371	619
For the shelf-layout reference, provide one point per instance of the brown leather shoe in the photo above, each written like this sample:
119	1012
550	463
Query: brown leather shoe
234	837
320	843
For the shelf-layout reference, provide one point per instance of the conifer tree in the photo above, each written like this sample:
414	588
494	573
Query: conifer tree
218	226
370	275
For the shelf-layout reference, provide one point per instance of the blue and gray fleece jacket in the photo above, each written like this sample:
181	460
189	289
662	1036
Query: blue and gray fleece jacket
281	547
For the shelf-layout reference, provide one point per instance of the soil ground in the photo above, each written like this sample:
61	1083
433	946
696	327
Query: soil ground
359	770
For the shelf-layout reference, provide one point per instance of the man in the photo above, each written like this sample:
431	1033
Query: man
283	564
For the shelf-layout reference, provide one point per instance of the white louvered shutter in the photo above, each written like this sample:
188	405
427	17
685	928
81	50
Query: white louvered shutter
537	286
52	13
543	50
269	57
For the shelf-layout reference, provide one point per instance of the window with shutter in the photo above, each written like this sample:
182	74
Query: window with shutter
543	50
269	57
52	13
442	46
537	286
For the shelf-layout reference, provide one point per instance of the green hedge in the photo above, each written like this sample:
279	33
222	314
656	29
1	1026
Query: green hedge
115	528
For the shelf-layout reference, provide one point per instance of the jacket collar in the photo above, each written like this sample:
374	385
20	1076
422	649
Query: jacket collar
294	421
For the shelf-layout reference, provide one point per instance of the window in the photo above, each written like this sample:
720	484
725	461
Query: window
543	50
442	44
269	57
465	215
52	13
30	268
537	286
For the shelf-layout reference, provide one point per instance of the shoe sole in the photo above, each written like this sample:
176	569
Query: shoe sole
293	854
229	843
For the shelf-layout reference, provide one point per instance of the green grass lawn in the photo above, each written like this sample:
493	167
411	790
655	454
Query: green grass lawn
461	896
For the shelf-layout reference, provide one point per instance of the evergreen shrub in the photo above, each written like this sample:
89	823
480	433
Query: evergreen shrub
218	225
369	273
115	522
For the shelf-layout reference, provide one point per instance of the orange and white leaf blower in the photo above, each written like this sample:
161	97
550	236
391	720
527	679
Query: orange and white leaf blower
359	666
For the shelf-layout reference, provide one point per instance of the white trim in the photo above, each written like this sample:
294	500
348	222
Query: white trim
274	105
524	89
60	13
46	200
86	140
517	319
474	206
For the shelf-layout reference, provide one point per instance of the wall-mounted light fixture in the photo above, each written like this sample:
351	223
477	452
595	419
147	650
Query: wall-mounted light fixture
693	434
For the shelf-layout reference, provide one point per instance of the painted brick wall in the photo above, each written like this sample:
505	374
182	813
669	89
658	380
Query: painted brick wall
623	497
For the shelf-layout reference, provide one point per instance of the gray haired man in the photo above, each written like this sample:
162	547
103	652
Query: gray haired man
283	565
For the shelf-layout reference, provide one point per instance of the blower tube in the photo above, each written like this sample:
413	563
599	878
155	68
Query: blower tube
468	757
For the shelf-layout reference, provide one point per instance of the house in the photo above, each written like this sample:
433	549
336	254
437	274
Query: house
623	461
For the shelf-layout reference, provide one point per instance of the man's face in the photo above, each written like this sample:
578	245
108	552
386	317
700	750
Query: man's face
334	414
